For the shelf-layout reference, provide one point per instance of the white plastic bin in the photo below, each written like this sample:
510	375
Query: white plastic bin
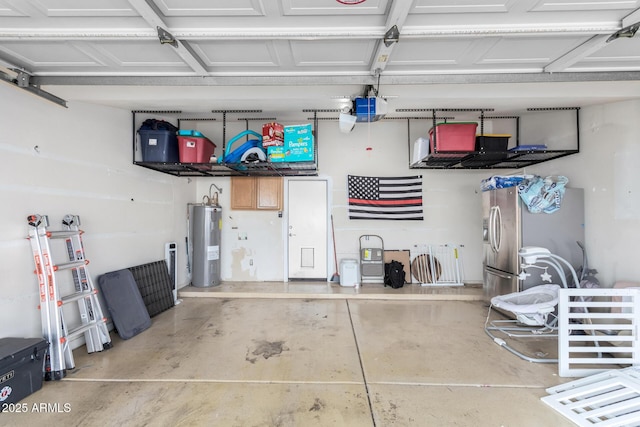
420	150
349	273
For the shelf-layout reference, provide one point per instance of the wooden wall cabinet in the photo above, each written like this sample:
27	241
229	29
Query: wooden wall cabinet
256	193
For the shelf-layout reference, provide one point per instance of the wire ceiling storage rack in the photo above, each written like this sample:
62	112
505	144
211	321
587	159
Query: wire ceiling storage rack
515	158
209	169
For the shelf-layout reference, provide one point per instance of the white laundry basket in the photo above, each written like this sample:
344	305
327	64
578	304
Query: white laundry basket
349	272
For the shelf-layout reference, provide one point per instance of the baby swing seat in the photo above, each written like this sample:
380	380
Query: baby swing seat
535	317
531	307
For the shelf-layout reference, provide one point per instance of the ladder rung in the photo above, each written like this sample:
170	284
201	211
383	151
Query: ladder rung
63	234
78	295
84	328
73	264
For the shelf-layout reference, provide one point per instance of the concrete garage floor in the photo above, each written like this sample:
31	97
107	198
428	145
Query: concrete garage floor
258	361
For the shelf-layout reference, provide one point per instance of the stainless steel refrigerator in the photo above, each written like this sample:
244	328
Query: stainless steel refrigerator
507	225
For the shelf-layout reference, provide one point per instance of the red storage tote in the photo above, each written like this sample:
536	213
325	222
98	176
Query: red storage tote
195	149
453	137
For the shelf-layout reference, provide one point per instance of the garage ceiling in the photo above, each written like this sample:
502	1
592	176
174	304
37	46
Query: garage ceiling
288	55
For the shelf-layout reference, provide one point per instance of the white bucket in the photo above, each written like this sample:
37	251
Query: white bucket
349	274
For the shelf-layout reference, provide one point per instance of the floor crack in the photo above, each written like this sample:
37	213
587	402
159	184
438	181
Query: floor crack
364	377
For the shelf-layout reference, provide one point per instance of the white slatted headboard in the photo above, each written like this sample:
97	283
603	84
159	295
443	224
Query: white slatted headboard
604	336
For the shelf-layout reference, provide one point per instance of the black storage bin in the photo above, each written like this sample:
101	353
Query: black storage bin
492	143
21	367
159	141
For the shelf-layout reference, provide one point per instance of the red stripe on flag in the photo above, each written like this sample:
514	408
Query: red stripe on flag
386	202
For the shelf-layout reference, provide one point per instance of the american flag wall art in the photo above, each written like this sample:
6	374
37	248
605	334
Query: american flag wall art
394	198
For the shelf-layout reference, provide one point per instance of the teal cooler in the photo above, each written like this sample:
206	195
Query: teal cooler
298	145
21	367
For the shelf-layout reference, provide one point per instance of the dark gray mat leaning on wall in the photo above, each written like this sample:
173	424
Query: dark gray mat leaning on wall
154	284
124	303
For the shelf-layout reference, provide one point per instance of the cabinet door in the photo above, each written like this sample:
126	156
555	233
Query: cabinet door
269	191
243	192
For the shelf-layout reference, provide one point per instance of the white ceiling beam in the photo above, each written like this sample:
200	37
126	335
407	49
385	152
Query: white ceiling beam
149	14
397	17
297	33
587	48
363	79
631	18
592	45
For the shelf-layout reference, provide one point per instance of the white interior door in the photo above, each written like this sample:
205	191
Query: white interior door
307	229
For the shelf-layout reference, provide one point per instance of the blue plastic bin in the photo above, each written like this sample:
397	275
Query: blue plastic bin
159	146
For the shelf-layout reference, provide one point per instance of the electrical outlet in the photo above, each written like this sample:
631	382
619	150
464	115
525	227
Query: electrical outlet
251	261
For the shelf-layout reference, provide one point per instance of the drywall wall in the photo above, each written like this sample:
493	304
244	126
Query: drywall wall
452	202
252	244
606	168
77	160
451	208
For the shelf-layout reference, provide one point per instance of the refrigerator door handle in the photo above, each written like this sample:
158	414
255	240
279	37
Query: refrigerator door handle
492	229
499	273
498	228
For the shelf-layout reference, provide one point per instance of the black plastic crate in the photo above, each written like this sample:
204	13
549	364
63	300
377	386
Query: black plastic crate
21	367
492	143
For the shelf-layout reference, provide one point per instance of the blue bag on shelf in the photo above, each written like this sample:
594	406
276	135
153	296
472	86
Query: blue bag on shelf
499	181
155	124
543	194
